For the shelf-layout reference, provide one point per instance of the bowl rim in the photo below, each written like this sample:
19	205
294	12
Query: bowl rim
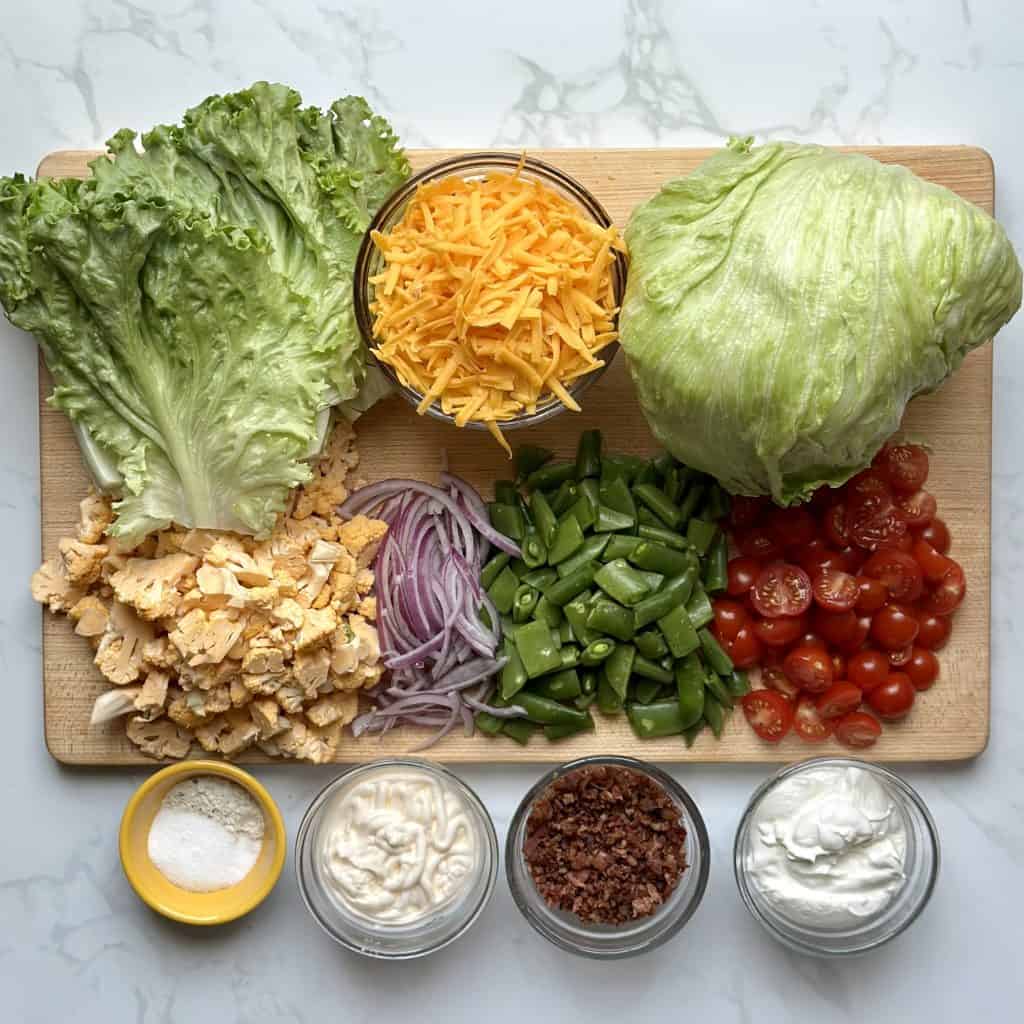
316	805
224	770
695	824
481	159
805	945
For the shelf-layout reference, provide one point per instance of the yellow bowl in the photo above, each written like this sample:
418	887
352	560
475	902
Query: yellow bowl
201	908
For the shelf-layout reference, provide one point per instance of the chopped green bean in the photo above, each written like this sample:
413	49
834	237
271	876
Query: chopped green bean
646	690
737	682
539	579
651	670
690	735
592	490
569	653
716	505
519	729
584	700
550	476
564	685
548	712
608	617
576	612
650	644
584	512
663	462
673	592
645	517
537	649
714	715
650	721
544	519
718	690
658	558
561	732
621	546
663	535
716	571
502	591
564	498
505	493
488	724
625	467
529	458
535	551
648	474
616	495
659	503
596	651
591	551
622	583
562	592
513	673
699	608
588	454
700	534
588	682
568	540
548	613
678	631
607	520
608	700
717	659
493	568
690	676
618	668
690	502
524	602
507	519
653	580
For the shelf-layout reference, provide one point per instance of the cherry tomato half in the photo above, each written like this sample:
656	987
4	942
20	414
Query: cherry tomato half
875	528
872	594
900	658
933	564
868	669
730	618
936	533
769	713
835	590
858	730
780	632
744	648
808	723
839	699
922	668
894	627
934	630
845	630
742	573
758	543
810	668
905	466
775	679
834	523
898	572
894	698
815	556
945	597
781	589
917	509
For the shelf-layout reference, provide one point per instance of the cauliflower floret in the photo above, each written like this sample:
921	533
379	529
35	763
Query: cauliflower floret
322	557
364	582
265	683
160	738
308	742
239	694
150	585
203	638
344	649
95	514
268	718
153	694
161	654
327	488
368	608
51	587
367	637
179	712
243	733
291	698
81	562
221	582
208	676
230	553
119	655
343	589
261	659
310	670
317	625
168	542
338	707
362	677
362	536
289	613
113	704
89	616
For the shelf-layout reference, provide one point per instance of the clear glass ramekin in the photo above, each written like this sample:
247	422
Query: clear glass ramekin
370	262
611	942
922	868
394	942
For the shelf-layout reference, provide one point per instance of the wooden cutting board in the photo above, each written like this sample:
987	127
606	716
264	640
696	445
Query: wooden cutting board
950	722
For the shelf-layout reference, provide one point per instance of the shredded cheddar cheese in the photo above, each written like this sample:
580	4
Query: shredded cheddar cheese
495	295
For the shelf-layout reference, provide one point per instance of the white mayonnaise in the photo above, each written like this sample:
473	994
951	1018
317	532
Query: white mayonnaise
397	845
827	848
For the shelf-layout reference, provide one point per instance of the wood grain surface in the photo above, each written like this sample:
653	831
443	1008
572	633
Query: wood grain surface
949	722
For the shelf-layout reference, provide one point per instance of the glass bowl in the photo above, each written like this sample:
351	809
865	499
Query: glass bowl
611	942
369	262
397	941
921	868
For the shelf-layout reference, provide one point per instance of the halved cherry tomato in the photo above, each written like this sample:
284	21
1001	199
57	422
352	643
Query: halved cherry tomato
945	597
872	596
742	573
868	669
845	630
936	533
934	564
836	531
758	543
838	699
900	658
812	639
808	723
894	698
922	668
745	511
815	556
917	509
875	528
775	679
780	632
792	527
769	713
835	591
868	489
744	648
810	668
934	630
905	466
897	571
858	730
781	589
730	618
894	627
838	666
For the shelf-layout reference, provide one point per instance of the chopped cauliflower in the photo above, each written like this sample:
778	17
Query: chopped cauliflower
81	562
311	669
150	585
50	586
266	714
153	695
90	617
160	738
119	654
338	707
95	515
204	639
317	625
362	536
308	742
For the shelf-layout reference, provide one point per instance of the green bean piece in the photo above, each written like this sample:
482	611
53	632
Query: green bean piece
621	545
651	670
564	498
672	593
650	644
619	667
485	617
588	454
622	583
513	674
648	474
550	476
592	489
690	676
489	573
568	540
645	517
508	625
596	651
688	506
529	458
556	639
718	690
716	505
564	685
561	732
737	682
699	608
576	612
488	724
548	613
535	551
673	485
679	633
690	735
569	653
659	503
700	534
503	590
607	520
562	592
544	519
584	512
650	721
658	558
592	549
524	602
716	571
623	467
537	649
608	617
588	682
653	580
716	658
539	579
519	729
714	715
608	701
616	495
663	535
545	711
505	492
519	567
497	701
645	691
584	700
663	463
507	519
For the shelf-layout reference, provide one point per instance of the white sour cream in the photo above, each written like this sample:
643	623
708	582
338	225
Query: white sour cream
827	848
398	845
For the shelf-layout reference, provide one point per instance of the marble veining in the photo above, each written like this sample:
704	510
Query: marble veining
74	941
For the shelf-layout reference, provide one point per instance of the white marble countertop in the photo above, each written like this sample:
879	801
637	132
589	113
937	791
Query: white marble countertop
74	941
